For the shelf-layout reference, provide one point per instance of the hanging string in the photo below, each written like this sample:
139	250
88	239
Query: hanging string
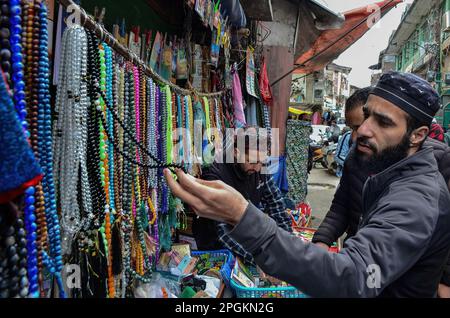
159	163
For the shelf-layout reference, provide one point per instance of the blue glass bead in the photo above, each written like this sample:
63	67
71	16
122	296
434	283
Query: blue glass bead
18	76
20	94
31	217
30	200
16	57
33	294
32	254
18	65
33	245
34	278
24	123
16	21
22	112
15	10
32	209
20	85
33	236
16	29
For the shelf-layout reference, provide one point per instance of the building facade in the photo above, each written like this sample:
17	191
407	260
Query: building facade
329	87
421	45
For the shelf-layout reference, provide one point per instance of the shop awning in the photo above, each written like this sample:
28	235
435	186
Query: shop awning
323	51
296	111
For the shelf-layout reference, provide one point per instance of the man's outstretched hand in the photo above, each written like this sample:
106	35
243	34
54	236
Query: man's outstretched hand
210	199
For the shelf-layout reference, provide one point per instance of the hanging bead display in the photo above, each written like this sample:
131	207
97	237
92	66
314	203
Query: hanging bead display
103	202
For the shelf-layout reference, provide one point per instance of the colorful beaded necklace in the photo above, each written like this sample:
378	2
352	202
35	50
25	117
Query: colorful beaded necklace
53	259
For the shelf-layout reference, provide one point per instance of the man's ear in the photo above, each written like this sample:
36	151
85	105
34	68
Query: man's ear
419	135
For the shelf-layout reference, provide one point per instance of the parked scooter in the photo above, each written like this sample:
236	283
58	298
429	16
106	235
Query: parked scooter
331	164
317	153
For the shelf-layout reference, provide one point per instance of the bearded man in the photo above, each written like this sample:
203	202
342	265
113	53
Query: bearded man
403	239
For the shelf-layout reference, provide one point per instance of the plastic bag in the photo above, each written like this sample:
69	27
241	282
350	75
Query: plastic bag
159	287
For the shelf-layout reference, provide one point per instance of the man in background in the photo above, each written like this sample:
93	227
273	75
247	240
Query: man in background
335	131
245	175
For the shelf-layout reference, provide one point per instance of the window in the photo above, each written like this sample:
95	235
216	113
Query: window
318	93
404	56
400	61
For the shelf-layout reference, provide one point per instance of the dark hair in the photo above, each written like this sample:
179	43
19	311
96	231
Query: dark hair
358	98
412	124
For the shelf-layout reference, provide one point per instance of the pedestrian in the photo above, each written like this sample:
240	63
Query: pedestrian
353	118
326	117
247	177
342	150
403	239
436	131
344	213
335	131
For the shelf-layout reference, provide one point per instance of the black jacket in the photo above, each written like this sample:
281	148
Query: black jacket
399	249
346	208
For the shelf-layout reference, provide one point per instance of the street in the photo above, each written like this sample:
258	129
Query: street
321	188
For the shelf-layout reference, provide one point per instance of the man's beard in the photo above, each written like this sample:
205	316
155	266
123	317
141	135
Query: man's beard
246	172
380	161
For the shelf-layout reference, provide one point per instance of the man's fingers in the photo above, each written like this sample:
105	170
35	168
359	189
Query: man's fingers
212	184
193	186
179	191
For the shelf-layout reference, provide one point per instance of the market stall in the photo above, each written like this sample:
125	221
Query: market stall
98	111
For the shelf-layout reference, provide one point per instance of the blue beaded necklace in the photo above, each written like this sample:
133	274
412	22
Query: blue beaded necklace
109	96
17	66
52	260
20	103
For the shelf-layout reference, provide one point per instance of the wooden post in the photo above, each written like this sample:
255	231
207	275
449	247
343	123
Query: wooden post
279	60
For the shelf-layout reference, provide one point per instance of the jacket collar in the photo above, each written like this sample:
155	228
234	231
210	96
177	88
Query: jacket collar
420	163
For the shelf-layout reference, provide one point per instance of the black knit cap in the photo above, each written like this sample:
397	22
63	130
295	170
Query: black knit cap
411	93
